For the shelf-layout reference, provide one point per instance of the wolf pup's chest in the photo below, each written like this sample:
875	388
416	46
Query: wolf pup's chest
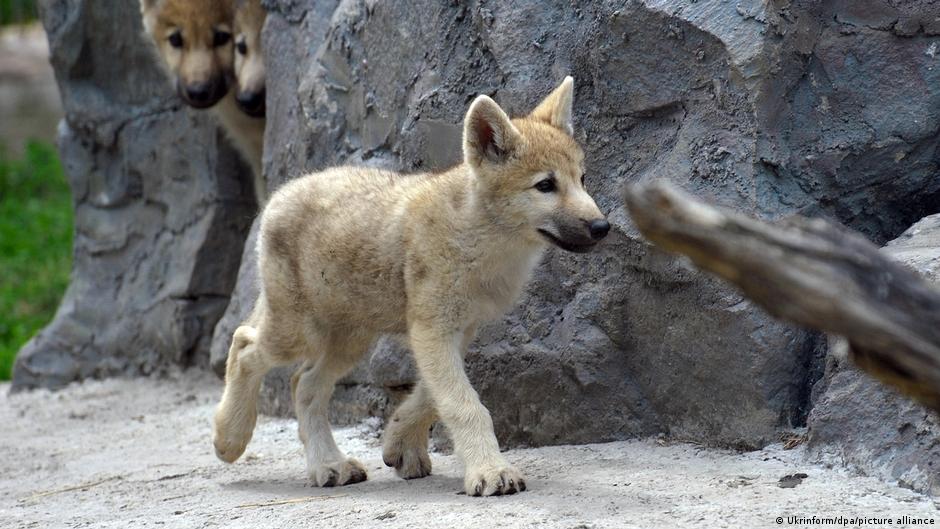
498	285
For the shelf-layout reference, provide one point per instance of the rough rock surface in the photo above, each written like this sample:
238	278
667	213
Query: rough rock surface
240	304
161	213
823	108
858	421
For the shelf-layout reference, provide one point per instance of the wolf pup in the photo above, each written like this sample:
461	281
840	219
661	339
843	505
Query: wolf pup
353	253
194	39
249	61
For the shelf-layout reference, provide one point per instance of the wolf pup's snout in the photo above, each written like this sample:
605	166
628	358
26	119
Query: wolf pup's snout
203	94
252	102
598	228
198	93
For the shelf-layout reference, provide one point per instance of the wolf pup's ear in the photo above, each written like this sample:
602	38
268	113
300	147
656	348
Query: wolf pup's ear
556	109
148	11
148	4
488	134
149	8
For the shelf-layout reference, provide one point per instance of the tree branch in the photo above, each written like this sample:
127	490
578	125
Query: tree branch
813	273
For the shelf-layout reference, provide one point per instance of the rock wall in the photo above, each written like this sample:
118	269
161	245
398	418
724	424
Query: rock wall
822	108
161	212
770	107
860	422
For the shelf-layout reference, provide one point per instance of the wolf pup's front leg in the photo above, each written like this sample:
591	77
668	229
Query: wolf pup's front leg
405	442
439	358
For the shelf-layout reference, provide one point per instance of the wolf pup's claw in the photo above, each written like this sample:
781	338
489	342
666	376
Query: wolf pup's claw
338	473
494	482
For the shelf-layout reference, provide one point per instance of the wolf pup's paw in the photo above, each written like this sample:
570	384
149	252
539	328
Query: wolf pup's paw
337	473
410	461
230	442
493	481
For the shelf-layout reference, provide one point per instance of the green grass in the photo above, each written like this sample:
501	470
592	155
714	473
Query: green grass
35	245
17	11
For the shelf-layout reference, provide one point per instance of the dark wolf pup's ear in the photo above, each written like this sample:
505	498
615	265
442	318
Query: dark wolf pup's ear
487	133
148	10
556	109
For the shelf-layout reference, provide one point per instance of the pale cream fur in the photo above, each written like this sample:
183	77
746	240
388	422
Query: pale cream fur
249	66
247	134
349	254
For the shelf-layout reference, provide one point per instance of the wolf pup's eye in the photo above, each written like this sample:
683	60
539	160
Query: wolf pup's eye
221	38
241	46
546	185
175	39
582	180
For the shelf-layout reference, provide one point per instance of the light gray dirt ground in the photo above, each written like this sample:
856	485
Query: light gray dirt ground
136	453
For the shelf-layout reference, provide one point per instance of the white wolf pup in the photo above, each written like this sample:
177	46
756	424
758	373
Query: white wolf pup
351	253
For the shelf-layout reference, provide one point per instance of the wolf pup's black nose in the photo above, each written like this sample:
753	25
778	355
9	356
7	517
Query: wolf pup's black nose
599	229
251	102
199	93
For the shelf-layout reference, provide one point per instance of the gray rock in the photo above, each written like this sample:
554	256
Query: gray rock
768	108
240	304
919	247
858	421
821	108
161	212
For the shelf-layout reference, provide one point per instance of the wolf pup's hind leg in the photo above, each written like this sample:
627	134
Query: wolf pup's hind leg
327	465
237	412
256	348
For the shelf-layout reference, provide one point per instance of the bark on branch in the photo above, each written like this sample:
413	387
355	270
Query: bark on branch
813	273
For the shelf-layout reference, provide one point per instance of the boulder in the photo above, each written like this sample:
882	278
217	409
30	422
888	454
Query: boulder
626	341
161	208
772	108
858	421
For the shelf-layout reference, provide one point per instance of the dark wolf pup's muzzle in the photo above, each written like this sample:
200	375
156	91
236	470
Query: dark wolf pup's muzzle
202	95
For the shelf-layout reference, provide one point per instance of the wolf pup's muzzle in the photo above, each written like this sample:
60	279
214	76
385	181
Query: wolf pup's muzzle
204	94
579	239
252	102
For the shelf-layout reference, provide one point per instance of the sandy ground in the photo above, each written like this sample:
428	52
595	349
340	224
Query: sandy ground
136	453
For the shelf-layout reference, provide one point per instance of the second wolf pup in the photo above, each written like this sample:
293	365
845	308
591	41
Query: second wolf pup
351	253
249	59
194	40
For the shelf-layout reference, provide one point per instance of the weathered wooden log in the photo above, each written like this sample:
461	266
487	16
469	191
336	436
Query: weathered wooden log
813	273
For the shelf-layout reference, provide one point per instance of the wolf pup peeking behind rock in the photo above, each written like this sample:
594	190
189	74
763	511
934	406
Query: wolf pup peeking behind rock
353	253
194	38
249	61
